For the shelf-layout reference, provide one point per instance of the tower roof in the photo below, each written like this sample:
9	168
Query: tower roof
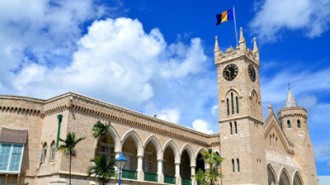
290	101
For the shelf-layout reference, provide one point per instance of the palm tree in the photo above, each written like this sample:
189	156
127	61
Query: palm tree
102	169
99	129
68	147
210	175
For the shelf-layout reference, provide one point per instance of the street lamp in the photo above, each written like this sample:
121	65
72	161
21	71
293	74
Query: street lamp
120	162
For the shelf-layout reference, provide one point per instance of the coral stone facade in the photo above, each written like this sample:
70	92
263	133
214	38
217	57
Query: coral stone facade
274	151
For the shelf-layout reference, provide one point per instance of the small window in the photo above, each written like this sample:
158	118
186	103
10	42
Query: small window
227	106
43	153
233	165
232	104
238	166
276	142
298	124
52	151
231	128
289	124
235	127
237	108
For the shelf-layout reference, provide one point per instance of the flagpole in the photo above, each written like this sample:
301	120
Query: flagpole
235	25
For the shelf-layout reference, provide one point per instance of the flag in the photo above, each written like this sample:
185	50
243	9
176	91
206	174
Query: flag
225	16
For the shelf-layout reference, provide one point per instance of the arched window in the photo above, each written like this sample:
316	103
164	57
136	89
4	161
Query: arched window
235	127
238	166
52	151
270	140
43	153
233	165
276	142
231	128
298	124
237	108
227	106
232	103
289	124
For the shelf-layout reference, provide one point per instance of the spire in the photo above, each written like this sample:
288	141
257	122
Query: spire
216	45
242	43
241	36
290	101
255	46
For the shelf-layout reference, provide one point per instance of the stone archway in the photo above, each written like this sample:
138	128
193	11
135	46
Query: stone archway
271	175
150	162
200	163
169	165
297	179
284	178
185	169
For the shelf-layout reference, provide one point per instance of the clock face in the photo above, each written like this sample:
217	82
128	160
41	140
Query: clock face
252	73
230	72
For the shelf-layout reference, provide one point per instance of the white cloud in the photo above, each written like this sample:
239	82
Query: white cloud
46	51
202	126
214	110
313	16
116	57
274	89
170	115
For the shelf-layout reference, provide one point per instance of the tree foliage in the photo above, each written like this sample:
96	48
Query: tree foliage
68	147
99	129
101	168
210	175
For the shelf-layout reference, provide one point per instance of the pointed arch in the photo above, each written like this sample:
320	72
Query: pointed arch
43	152
297	179
115	137
190	152
153	139
283	177
271	175
135	138
199	150
52	151
233	90
170	143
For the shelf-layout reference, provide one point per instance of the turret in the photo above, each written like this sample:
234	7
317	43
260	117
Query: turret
294	123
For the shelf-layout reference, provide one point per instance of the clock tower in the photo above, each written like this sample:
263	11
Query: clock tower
240	114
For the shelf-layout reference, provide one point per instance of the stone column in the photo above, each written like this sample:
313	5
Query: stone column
177	173
160	170
193	179
140	173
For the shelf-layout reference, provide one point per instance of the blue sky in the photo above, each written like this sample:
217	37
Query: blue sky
156	57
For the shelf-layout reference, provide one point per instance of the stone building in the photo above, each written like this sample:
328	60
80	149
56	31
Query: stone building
276	150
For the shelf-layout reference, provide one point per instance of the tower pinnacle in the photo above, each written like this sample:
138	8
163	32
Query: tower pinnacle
290	101
255	46
216	45
241	36
242	43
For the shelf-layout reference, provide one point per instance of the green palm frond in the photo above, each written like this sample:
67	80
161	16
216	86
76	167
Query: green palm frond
99	129
70	142
101	168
